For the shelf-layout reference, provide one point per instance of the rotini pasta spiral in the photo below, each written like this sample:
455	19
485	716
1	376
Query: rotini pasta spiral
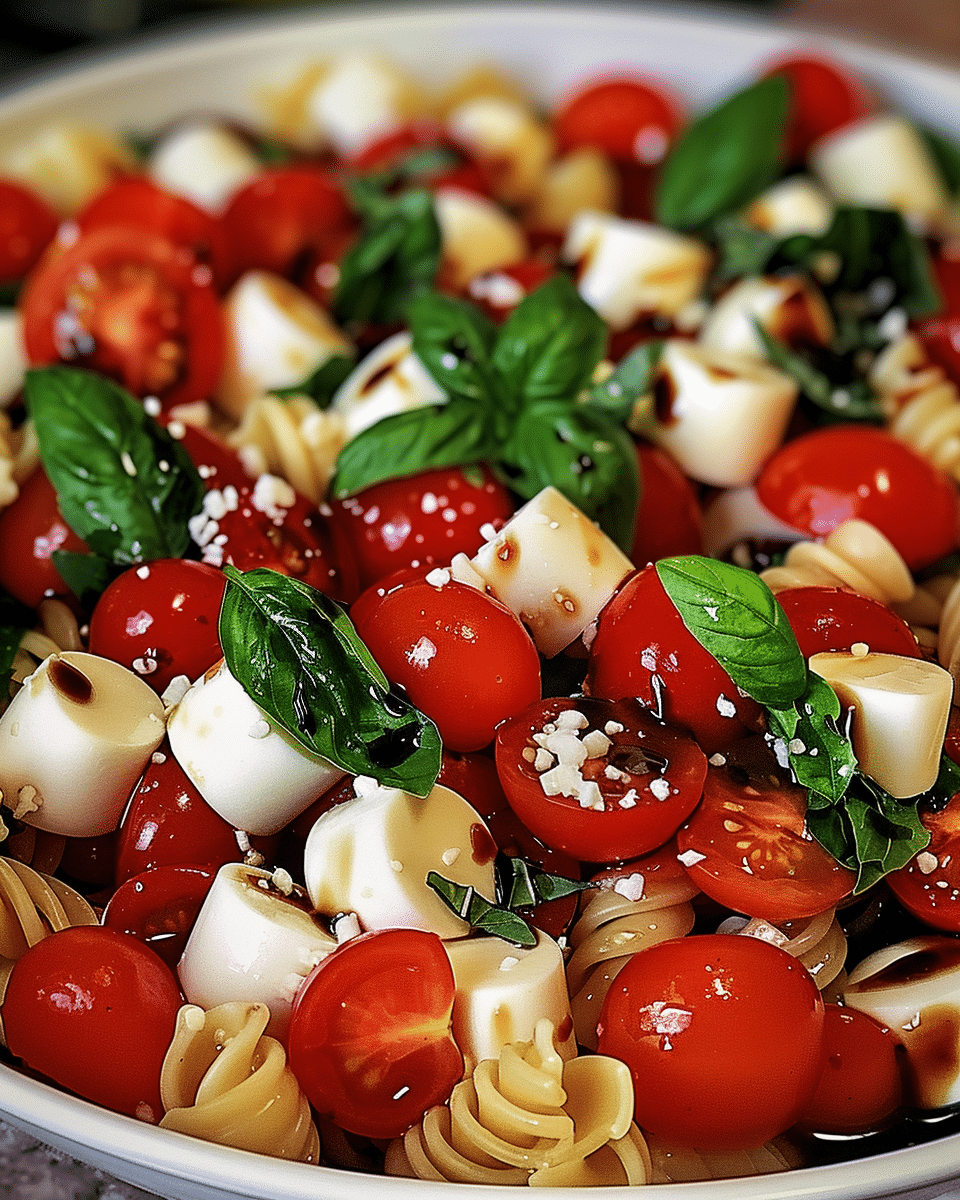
818	942
680	1164
223	1081
530	1118
292	438
19	454
615	923
923	403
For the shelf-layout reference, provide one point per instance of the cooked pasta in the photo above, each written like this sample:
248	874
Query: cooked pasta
224	1081
530	1118
56	630
818	942
291	438
680	1164
18	457
922	401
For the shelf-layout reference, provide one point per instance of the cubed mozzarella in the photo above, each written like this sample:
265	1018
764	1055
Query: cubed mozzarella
246	766
74	741
722	414
67	164
789	308
358	98
252	941
900	711
277	336
553	567
584	179
736	517
205	162
627	269
503	991
505	134
371	855
390	380
797	204
477	236
13	355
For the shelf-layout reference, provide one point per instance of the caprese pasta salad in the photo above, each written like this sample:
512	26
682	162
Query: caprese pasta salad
479	621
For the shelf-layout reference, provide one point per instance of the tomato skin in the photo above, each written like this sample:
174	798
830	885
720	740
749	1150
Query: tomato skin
27	226
754	854
370	1038
723	1035
30	530
652	754
929	885
825	477
861	1088
421	519
834	618
631	118
641	635
461	656
407	140
825	95
86	999
218	464
669	519
160	620
140	309
159	907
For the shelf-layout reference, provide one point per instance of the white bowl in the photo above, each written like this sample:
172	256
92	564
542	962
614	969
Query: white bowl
221	67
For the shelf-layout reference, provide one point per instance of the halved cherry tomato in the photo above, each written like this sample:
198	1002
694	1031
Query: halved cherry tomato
27	227
929	885
670	519
160	620
642	648
834	618
723	1035
31	529
822	478
159	907
370	1038
605	783
825	95
129	304
461	656
218	464
747	845
421	519
94	1010
861	1088
630	117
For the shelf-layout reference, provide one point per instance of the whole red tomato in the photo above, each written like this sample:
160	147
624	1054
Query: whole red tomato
669	519
834	618
159	907
825	95
31	529
27	226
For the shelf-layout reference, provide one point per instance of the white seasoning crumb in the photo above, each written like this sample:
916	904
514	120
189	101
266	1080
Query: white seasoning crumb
859	649
718	760
798	747
726	707
690	858
629	799
143	572
152	406
259	729
364	785
438	577
612	727
571	718
396	865
193	1017
421	654
596	743
345	926
926	862
129	466
543	760
660	788
158	757
242	839
450	856
508	963
632	887
282	880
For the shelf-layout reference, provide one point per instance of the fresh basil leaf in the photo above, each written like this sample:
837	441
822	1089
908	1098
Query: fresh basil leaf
808	736
853	401
521	884
734	615
123	483
320	385
15	620
742	249
271	152
86	575
418	166
454	341
946	154
480	913
587	457
395	259
726	157
299	658
9	293
632	378
444	435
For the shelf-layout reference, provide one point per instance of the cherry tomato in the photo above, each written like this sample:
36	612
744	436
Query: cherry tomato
642	648
138	203
461	656
607	782
129	304
825	95
940	335
370	1038
669	520
747	846
94	1010
160	620
420	519
822	478
929	885
218	464
450	166
862	1084
282	215
834	618
723	1035
632	118
160	906
30	530
27	226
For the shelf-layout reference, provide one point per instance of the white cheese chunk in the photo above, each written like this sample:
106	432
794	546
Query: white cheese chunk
358	98
505	133
277	336
257	781
67	164
503	991
627	269
390	380
789	308
253	943
74	741
204	162
13	355
477	236
371	855
724	415
553	567
797	204
900	711
736	515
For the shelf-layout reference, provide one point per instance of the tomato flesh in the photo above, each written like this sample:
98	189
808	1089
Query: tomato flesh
27	227
159	907
31	529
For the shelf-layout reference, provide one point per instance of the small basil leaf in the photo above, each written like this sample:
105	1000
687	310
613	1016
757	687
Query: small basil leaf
454	341
299	658
123	483
417	166
946	787
742	249
734	615
853	401
15	620
632	378
946	154
86	575
820	756
320	385
436	436
725	158
521	884
480	914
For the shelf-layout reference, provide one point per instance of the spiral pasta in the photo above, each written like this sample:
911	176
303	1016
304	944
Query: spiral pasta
923	403
223	1081
19	455
530	1118
818	942
615	923
680	1164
